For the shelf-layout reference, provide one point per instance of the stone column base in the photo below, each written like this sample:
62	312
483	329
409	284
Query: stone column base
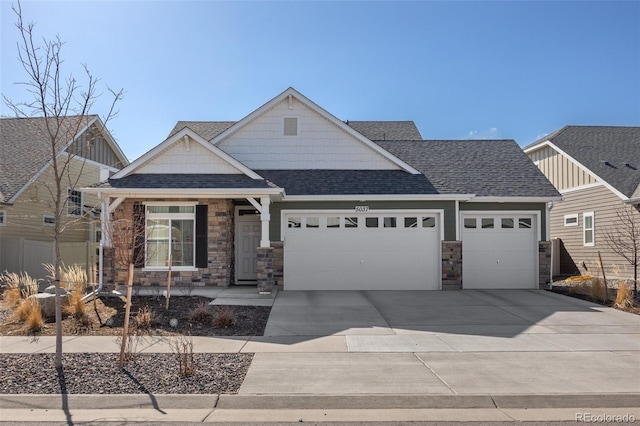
452	265
265	269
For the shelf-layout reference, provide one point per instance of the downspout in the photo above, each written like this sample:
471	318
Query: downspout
103	213
548	232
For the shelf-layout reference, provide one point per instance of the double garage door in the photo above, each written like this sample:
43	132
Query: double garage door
499	250
381	250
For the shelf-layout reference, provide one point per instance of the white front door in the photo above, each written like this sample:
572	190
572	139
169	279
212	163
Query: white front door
499	250
248	233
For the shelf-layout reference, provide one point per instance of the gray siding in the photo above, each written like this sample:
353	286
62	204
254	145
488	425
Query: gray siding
603	203
447	206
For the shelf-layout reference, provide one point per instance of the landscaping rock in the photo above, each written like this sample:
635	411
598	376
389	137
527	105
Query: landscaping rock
48	303
52	290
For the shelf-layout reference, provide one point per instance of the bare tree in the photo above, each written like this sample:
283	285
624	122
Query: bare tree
624	239
127	238
64	105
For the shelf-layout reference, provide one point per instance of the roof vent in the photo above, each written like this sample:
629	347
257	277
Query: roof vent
606	163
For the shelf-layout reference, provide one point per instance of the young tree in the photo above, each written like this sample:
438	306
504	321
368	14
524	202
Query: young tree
64	104
624	239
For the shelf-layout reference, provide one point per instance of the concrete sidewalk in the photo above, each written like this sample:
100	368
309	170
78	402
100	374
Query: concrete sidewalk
391	356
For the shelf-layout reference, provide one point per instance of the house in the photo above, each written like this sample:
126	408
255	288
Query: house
292	195
597	171
26	185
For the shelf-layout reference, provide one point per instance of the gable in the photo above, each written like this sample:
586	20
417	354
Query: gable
188	158
94	145
315	142
562	172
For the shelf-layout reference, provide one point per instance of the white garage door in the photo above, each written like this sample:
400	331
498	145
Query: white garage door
374	251
499	250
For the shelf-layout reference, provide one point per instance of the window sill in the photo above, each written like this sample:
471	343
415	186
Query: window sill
173	269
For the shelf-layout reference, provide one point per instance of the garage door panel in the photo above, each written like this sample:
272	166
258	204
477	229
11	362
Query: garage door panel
362	258
499	257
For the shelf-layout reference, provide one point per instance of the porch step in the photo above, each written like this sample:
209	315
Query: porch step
245	296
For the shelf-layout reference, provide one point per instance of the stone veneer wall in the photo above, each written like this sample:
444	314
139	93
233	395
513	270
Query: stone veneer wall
452	265
278	262
265	269
220	268
544	264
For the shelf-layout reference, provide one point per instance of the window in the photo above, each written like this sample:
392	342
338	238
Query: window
570	220
293	222
170	234
351	222
371	222
313	222
390	222
48	220
410	222
333	222
588	229
470	223
507	223
74	202
487	223
290	126
3	218
524	223
428	222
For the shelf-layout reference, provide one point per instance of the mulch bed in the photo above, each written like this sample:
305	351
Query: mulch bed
98	373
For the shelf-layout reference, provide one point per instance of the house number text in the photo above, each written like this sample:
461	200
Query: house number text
362	209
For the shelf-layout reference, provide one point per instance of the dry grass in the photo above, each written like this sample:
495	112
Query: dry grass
76	308
12	297
73	278
624	297
145	318
34	322
593	287
579	278
224	317
201	314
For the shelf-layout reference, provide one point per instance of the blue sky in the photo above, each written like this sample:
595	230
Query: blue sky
515	70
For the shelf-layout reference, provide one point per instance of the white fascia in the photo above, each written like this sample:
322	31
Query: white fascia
185	192
380	197
481	199
579	164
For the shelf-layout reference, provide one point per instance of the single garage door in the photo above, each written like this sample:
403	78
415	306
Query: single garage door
380	250
499	250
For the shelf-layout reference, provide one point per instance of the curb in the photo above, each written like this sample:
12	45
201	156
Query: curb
307	402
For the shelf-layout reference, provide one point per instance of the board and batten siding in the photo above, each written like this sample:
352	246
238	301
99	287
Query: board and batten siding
318	143
603	203
93	146
562	172
24	216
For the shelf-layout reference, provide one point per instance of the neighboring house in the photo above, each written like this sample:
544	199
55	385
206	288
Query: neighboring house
597	170
292	195
27	184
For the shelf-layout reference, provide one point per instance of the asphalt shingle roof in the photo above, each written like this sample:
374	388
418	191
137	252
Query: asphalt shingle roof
183	181
348	182
206	129
492	168
593	145
25	148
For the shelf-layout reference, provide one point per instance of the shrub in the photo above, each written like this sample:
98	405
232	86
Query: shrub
12	297
624	299
145	318
182	347
224	317
76	307
201	314
34	322
598	290
73	278
23	310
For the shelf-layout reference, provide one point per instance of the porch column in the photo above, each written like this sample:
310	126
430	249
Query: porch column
265	217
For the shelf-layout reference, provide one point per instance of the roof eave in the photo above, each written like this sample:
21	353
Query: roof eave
514	199
380	197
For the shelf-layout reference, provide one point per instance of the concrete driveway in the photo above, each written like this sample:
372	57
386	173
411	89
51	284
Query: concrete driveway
498	342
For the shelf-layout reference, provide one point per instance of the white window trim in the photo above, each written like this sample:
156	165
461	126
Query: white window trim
571	216
3	218
69	189
44	216
585	229
179	216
